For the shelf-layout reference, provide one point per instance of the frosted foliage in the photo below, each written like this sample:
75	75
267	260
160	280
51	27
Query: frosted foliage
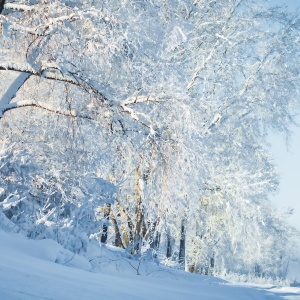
143	124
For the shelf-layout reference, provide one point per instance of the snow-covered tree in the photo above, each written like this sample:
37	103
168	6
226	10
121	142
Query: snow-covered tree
167	103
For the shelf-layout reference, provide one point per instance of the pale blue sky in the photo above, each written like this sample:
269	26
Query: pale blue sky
288	159
288	166
292	4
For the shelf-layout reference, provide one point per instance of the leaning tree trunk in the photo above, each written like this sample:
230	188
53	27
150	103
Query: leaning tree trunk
118	238
127	229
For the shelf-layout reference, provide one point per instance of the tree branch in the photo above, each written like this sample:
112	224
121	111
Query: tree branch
53	74
15	6
45	106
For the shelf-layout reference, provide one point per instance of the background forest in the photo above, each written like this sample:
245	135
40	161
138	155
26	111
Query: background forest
144	125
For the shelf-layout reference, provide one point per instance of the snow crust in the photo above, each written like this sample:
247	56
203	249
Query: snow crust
31	269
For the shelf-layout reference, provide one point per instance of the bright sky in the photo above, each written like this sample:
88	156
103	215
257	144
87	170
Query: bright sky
288	166
288	159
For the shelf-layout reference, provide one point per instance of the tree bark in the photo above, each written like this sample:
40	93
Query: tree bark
106	211
118	238
181	258
2	2
127	228
139	212
169	246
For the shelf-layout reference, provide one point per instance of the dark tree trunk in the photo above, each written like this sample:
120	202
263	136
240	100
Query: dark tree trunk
106	213
212	262
2	2
169	247
257	270
181	259
157	240
104	234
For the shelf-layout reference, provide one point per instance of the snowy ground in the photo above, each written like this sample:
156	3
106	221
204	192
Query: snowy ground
44	270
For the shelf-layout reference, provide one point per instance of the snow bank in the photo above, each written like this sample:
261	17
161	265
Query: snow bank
39	270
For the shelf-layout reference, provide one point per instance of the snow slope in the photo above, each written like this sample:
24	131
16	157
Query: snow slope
38	270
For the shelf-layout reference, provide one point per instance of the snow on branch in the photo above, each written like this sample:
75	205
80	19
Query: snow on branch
42	29
52	74
45	106
134	114
18	67
19	7
141	99
55	73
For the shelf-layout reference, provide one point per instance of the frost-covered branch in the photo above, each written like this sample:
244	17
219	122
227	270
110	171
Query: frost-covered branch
54	72
19	7
45	106
135	115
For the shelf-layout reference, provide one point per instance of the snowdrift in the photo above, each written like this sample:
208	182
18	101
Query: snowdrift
31	269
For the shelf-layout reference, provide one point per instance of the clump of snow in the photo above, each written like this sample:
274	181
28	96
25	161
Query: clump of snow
10	201
2	192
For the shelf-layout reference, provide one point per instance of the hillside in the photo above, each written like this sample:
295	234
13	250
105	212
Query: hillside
34	270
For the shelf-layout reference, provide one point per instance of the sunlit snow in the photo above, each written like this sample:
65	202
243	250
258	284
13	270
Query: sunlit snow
31	269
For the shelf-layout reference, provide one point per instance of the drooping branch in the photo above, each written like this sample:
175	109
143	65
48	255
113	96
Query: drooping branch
25	72
138	116
45	106
53	74
56	74
48	73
